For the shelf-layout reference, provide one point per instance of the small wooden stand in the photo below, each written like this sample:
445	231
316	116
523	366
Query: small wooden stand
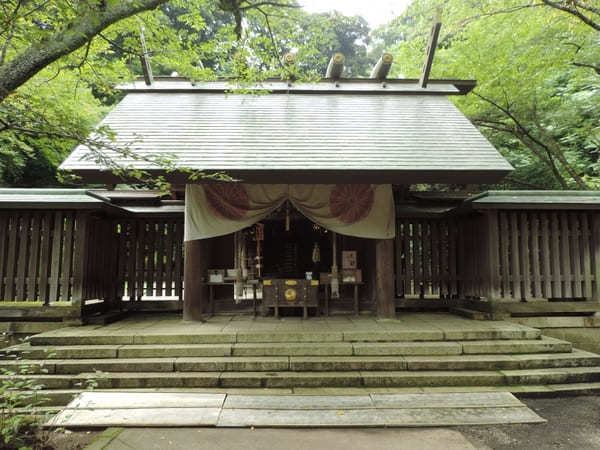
305	295
211	294
347	283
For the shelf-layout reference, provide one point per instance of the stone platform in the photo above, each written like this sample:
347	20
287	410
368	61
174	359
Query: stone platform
415	352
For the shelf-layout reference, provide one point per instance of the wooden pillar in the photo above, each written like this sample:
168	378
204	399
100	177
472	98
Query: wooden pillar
491	256
384	284
195	293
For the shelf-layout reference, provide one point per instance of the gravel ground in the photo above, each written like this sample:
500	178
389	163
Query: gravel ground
573	423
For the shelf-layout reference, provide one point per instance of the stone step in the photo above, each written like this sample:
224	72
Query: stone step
556	321
22	327
446	348
61	397
96	336
287	379
577	358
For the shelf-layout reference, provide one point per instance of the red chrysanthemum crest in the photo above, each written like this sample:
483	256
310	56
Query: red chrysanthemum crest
351	202
227	200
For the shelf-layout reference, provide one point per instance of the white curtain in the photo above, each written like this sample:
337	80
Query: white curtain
361	210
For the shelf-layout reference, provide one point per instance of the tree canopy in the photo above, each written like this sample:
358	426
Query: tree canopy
537	63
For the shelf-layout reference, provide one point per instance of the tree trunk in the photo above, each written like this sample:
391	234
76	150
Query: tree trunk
81	30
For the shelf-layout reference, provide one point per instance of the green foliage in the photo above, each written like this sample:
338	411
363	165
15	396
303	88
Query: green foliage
19	395
538	95
56	109
537	65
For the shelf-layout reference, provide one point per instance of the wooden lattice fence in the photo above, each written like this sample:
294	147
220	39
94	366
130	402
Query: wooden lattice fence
52	256
150	258
514	255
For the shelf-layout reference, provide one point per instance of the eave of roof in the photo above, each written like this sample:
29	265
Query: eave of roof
47	199
565	200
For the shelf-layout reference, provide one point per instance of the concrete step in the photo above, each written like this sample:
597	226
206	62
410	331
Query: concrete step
97	336
576	358
287	379
446	348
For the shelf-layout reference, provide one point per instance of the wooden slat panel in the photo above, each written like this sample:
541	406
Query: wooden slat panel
11	266
408	258
452	259
586	243
170	258
22	258
435	257
505	255
399	256
596	254
557	291
67	257
141	259
565	257
524	250
515	256
119	232
160	262
79	255
56	258
132	230
178	275
34	258
536	271
461	268
426	239
4	219
493	255
444	268
149	258
45	255
575	244
545	255
417	252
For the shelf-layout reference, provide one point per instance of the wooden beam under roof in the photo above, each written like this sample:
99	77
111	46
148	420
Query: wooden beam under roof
431	45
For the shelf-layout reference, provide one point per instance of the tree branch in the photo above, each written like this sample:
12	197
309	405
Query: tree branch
63	42
575	12
590	66
523	133
6	44
266	3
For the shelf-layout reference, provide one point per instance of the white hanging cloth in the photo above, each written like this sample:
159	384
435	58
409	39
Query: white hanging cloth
360	210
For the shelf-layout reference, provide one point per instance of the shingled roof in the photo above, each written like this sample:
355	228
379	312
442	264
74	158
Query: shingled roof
344	131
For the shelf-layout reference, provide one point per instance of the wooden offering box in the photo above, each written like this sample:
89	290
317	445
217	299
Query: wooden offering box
287	293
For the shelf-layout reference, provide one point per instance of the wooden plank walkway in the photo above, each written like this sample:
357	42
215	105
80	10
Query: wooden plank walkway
131	409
